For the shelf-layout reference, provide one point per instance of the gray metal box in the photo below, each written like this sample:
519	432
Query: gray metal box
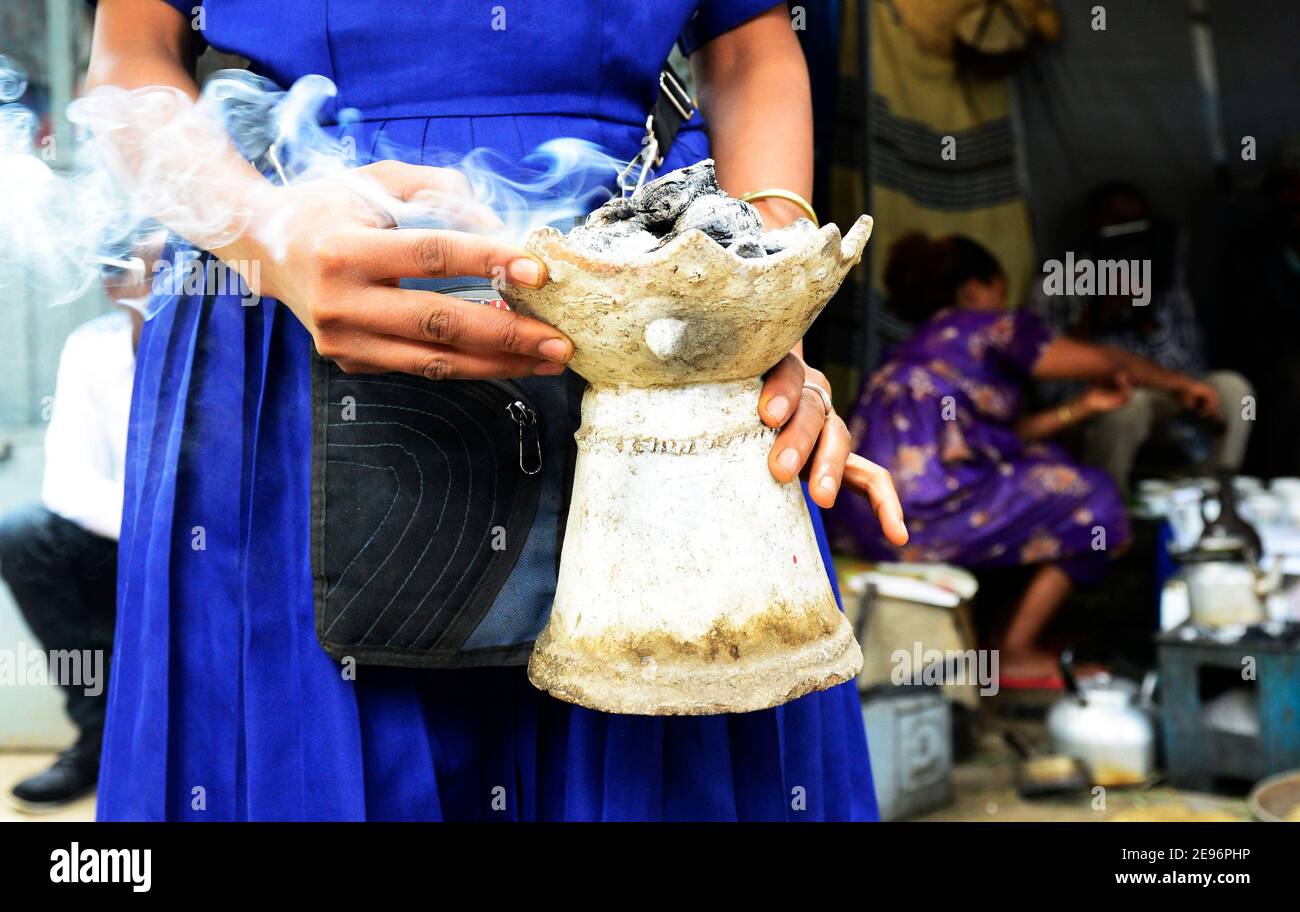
909	734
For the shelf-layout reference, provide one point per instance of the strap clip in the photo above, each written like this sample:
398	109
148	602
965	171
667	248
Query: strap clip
670	87
648	158
673	107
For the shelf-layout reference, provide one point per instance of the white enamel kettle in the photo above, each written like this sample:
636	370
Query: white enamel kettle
1225	582
1107	724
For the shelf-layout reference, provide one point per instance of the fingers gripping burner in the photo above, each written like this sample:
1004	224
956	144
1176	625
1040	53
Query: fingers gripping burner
690	581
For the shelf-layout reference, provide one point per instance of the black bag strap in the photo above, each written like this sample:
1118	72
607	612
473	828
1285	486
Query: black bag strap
672	108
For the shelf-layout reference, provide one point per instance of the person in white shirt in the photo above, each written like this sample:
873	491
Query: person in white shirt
59	557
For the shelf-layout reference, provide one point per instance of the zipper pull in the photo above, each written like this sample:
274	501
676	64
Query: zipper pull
526	418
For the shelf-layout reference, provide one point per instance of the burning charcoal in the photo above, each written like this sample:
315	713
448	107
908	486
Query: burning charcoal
612	213
661	201
677	202
720	217
749	248
625	238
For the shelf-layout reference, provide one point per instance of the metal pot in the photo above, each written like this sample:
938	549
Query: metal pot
1225	584
1223	593
1224	587
1106	723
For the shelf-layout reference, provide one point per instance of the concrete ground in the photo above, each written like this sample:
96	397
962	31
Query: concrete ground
984	785
984	789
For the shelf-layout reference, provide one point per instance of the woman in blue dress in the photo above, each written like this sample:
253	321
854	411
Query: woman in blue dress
222	703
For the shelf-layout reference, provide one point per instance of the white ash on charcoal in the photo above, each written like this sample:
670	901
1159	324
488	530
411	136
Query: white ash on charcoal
677	202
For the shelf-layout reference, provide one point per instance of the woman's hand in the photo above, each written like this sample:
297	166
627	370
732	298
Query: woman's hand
808	432
326	248
335	260
1099	400
1200	398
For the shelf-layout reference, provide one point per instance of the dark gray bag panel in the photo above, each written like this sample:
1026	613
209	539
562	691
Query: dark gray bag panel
420	509
407	504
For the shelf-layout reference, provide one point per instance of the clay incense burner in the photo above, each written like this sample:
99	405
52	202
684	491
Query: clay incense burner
690	581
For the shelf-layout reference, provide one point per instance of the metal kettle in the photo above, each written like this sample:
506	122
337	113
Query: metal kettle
1225	582
1107	724
1225	588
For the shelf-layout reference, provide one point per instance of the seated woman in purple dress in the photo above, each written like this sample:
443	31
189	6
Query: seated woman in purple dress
980	485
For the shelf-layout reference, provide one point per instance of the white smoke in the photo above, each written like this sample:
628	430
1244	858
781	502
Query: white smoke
142	160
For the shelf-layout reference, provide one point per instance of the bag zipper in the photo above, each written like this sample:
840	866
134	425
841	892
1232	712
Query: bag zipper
520	412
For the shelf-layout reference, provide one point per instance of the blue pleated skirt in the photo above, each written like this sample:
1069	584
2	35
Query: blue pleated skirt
223	706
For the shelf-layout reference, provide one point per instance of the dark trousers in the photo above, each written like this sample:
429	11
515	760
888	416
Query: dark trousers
64	580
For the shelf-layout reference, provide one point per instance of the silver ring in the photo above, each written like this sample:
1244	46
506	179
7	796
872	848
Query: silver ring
826	397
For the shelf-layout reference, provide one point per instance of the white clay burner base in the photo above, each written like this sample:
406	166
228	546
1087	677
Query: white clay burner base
690	581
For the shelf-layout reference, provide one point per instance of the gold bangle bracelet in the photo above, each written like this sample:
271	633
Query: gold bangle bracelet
788	195
1063	414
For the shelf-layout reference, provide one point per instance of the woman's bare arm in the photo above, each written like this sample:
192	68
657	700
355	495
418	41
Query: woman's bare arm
1045	424
320	248
1069	359
140	44
1096	401
753	89
145	45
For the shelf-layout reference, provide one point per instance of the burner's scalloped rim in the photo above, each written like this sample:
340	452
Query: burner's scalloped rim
552	244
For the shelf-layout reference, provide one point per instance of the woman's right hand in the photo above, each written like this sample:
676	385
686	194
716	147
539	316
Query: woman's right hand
1200	398
335	260
1099	400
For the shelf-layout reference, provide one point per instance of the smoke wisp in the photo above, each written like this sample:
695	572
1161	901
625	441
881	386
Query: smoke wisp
142	159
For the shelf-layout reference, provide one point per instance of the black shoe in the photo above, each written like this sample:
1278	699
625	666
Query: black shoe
72	776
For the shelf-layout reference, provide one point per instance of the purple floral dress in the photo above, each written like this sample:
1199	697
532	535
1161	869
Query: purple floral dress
940	416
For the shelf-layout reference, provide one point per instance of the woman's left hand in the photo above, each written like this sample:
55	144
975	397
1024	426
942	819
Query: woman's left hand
817	445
